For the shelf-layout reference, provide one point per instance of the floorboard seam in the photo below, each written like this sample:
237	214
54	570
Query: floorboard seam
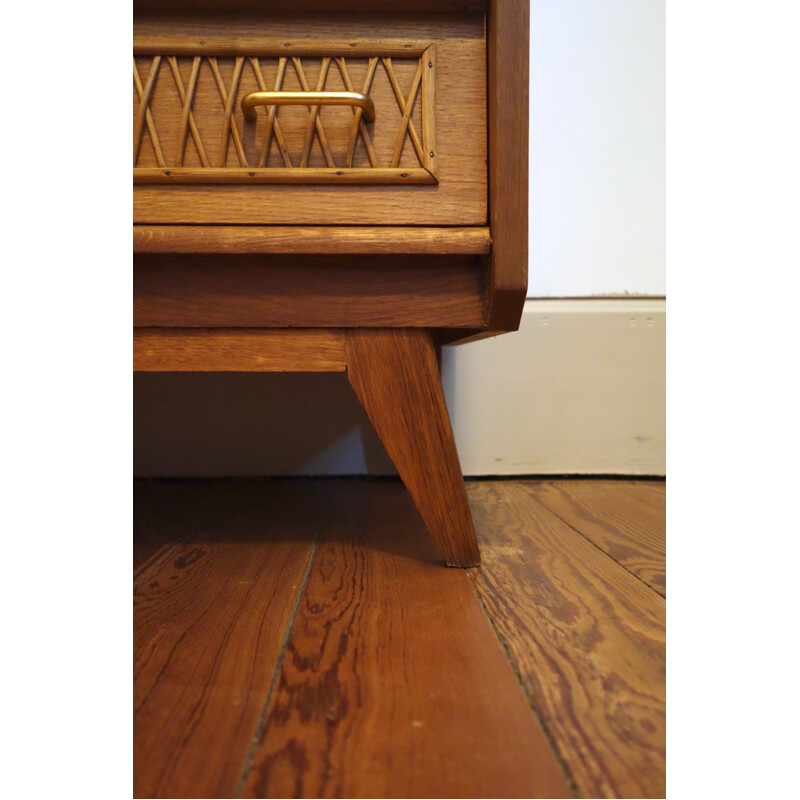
259	729
596	546
531	702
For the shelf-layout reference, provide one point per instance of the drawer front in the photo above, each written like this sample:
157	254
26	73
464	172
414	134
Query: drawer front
420	160
190	125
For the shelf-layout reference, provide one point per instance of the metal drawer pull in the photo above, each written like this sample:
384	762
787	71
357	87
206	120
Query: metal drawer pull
356	99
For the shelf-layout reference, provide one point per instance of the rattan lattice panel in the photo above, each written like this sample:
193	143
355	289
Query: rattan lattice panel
189	127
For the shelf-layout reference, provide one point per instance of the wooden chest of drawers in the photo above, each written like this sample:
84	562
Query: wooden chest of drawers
334	186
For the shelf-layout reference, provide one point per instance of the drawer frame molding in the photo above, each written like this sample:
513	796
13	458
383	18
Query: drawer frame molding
333	55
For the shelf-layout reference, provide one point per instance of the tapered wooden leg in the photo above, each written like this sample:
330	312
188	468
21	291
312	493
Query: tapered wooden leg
393	372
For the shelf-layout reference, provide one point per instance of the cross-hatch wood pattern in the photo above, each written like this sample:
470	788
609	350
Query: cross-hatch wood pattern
189	126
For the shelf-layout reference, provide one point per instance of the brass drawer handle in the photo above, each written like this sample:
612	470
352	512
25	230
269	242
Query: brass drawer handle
355	99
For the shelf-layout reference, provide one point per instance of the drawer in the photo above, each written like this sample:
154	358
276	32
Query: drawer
378	127
395	135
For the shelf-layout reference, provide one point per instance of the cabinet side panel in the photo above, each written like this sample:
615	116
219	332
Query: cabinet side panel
508	47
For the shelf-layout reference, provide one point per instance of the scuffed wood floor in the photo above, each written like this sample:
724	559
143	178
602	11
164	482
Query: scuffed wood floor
300	639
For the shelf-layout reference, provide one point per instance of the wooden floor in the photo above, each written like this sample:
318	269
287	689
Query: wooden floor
300	639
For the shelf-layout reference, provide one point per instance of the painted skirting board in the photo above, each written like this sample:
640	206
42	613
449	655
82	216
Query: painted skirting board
579	389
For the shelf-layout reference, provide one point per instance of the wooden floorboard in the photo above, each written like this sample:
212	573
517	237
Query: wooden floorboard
394	683
586	636
161	521
627	520
211	612
300	639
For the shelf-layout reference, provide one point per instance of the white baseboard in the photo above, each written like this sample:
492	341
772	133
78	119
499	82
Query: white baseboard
579	389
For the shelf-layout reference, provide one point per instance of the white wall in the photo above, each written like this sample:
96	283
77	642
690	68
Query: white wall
598	142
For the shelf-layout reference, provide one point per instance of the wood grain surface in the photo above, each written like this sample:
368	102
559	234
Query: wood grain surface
211	612
238	350
161	520
625	519
310	239
585	636
308	291
393	683
508	46
319	7
255	42
396	379
310	176
460	198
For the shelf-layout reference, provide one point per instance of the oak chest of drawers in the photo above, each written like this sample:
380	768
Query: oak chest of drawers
334	186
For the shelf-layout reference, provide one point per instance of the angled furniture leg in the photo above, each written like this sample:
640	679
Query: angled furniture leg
394	374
